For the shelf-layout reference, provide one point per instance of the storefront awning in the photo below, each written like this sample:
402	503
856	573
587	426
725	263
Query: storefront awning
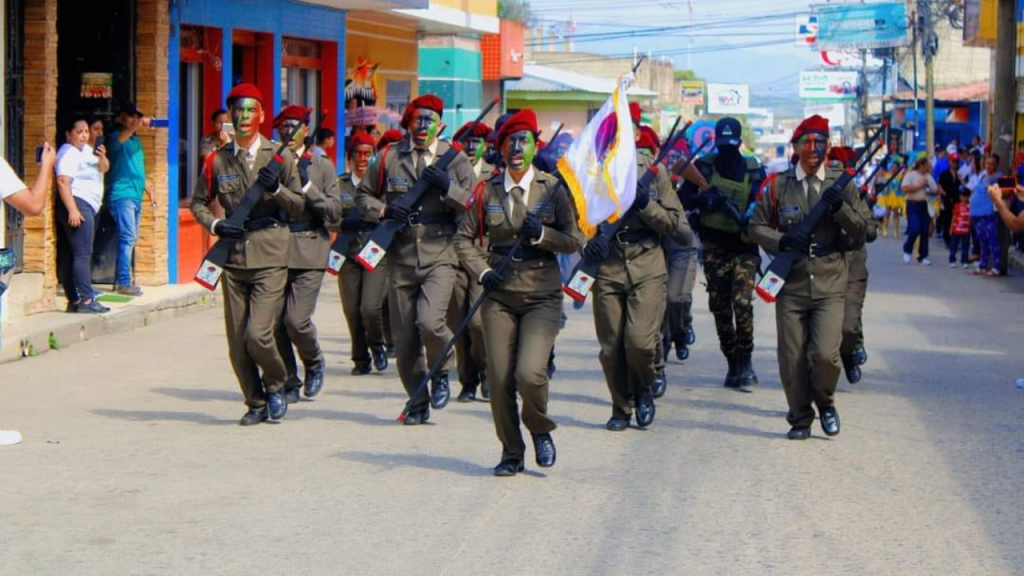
369	4
439	20
537	78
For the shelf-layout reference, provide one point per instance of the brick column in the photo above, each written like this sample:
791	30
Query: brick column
151	44
38	124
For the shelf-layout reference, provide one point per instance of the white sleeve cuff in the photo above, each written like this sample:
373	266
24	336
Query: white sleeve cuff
307	186
276	192
541	239
214	226
482	274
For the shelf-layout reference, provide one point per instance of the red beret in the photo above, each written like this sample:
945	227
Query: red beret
634	112
648	138
428	101
815	124
244	90
292	112
481	130
525	119
358	139
389	137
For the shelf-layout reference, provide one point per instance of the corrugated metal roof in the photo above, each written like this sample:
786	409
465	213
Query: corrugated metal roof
537	78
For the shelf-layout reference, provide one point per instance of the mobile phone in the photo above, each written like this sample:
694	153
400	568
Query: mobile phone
99	142
228	127
1007	185
39	154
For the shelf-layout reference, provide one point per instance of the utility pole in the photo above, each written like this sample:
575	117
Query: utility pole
929	46
1004	85
913	50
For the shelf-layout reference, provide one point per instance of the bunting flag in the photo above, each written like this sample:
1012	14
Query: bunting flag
600	166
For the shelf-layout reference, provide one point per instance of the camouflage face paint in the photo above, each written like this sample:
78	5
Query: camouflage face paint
287	126
426	125
813	150
246	116
475	148
519	150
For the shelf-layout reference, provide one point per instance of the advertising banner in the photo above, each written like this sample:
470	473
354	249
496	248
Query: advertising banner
692	93
828	85
880	25
728	98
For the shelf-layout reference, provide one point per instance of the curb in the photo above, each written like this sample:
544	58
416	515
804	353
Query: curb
70	329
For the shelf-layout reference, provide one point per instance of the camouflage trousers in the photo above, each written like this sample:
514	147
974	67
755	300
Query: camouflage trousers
731	277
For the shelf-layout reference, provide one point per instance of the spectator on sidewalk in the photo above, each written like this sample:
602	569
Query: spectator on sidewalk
960	230
325	140
218	136
984	219
17	195
949	194
80	186
917	185
127	189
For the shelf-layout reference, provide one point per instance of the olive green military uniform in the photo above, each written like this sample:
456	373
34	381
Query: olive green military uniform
256	274
421	260
521	318
310	245
810	308
363	293
630	295
856	291
681	262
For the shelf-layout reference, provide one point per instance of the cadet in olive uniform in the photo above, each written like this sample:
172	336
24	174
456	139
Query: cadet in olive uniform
852	349
421	260
522	312
810	308
310	246
363	293
256	274
469	349
629	298
731	259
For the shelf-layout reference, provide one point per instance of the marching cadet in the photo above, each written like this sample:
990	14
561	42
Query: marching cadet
309	247
469	349
810	308
421	260
256	274
731	258
522	311
629	298
363	293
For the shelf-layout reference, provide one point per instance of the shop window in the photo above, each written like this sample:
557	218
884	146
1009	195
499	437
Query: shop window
399	94
300	75
190	127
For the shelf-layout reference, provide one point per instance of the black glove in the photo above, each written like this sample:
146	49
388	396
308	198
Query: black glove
396	211
492	280
545	163
596	249
834	198
710	200
351	222
269	176
437	178
532	226
643	198
794	241
229	230
304	163
693	217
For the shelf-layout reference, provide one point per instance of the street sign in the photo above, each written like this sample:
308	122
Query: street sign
879	25
828	85
806	33
728	98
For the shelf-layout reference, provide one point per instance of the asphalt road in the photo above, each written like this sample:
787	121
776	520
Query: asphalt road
133	463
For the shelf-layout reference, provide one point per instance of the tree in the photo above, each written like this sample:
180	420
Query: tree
516	11
684	75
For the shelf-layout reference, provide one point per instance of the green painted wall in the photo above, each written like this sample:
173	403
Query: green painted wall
453	74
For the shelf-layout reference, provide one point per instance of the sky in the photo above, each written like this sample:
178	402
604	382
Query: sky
745	41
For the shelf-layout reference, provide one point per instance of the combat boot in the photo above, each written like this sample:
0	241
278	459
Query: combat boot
745	370
691	336
732	378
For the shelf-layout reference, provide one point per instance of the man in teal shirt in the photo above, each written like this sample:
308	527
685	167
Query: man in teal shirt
127	182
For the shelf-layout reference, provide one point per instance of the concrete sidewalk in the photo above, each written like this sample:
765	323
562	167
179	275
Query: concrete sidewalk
31	335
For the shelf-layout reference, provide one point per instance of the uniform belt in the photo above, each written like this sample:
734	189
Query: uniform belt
306	226
261	223
821	250
421	219
634	236
524	253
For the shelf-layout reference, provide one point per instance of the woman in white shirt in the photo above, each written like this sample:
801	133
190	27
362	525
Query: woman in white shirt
916	186
80	186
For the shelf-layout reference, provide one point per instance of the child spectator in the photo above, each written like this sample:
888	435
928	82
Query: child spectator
960	237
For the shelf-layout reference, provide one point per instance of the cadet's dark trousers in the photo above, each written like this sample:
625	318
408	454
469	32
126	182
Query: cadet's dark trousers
469	348
253	300
519	333
682	275
856	290
418	299
296	325
363	295
730	277
809	334
628	318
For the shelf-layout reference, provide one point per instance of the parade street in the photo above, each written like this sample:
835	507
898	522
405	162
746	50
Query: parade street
133	461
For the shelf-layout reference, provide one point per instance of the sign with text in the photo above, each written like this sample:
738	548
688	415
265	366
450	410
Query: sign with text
828	85
728	98
692	93
879	25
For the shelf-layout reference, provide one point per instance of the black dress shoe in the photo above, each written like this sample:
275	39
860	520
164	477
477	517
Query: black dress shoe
682	353
277	404
829	420
361	369
391	351
544	448
253	417
799	433
380	358
660	384
862	356
617	423
440	391
690	336
468	394
417	418
292	394
509	468
314	379
851	368
645	409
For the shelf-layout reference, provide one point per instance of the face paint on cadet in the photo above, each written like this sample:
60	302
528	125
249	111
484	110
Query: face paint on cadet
360	159
519	150
300	135
492	155
246	116
427	125
813	150
475	148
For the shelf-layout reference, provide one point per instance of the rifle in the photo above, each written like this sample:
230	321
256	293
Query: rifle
584	275
384	234
212	267
774	279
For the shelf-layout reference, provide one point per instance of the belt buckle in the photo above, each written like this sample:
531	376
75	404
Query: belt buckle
414	218
811	249
618	237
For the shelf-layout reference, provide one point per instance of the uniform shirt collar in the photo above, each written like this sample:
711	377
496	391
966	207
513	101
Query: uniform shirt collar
356	180
524	182
253	148
801	175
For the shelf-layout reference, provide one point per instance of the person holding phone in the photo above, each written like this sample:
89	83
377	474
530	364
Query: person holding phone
127	190
1015	222
16	194
80	187
221	135
984	219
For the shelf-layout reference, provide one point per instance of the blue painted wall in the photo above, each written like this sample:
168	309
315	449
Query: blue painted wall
277	17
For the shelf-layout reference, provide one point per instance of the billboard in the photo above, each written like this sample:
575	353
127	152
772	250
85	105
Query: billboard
881	25
692	93
828	85
806	32
728	98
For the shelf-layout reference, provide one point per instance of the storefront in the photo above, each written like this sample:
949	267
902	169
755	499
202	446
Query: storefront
381	61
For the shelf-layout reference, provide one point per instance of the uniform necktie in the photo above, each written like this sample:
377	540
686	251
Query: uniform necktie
812	191
518	207
246	158
420	162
